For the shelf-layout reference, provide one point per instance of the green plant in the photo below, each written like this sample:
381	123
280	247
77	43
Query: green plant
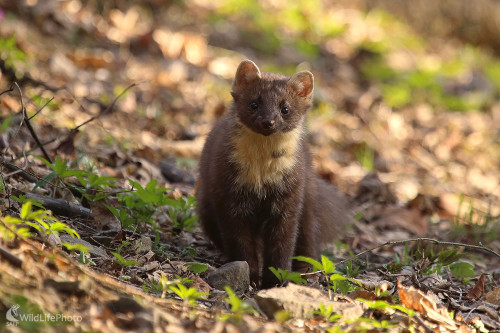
122	262
238	306
137	207
462	270
59	169
284	275
93	187
386	307
12	55
23	198
327	313
6	123
334	279
181	213
41	220
351	270
188	252
196	267
123	244
372	324
189	295
162	285
366	157
83	252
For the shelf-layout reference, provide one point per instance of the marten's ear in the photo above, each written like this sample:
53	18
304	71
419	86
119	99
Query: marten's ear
247	72
302	83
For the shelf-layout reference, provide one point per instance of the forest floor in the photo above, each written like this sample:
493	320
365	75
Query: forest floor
121	99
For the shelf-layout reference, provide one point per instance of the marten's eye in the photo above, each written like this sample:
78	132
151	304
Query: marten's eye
285	110
254	105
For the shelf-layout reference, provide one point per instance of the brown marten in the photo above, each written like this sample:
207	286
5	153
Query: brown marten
259	199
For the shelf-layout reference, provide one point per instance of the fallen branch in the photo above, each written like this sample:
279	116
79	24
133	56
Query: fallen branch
61	207
5	253
423	239
107	110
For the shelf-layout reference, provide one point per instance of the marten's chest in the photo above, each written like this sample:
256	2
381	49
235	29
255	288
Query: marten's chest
264	162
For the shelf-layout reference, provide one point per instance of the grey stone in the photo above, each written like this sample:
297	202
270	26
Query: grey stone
301	301
235	274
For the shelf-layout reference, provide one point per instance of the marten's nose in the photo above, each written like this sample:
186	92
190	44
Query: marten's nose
268	123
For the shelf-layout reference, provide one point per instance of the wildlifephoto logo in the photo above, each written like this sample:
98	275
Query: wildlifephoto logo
14	316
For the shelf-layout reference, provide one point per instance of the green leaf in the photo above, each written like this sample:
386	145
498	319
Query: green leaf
25	210
13	220
119	258
45	180
462	269
75	247
328	265
448	257
196	267
316	264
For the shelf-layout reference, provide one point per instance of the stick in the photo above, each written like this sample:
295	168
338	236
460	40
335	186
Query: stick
105	111
61	207
477	247
30	128
5	253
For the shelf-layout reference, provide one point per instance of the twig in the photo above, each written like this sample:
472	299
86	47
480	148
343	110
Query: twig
11	88
2	156
423	239
43	106
105	111
15	169
28	125
5	253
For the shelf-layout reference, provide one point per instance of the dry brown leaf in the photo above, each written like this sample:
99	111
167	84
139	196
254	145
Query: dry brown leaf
415	299
493	296
368	295
103	216
478	290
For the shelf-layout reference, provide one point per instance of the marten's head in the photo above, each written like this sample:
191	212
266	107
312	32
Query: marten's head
269	103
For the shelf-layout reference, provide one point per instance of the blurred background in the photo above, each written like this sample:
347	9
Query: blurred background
408	89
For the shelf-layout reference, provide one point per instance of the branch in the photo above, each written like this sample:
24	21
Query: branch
30	128
103	112
477	247
7	255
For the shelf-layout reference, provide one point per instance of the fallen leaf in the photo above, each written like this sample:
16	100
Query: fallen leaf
415	299
493	296
478	290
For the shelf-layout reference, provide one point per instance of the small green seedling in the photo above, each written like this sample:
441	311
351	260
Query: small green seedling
122	262
41	220
284	275
189	295
387	307
83	252
326	266
238	306
327	313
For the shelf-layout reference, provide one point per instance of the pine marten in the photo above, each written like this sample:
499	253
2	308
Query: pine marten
259	199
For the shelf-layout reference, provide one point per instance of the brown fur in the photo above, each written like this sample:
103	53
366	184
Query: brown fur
259	199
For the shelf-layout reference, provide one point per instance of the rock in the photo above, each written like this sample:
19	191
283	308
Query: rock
301	301
235	274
